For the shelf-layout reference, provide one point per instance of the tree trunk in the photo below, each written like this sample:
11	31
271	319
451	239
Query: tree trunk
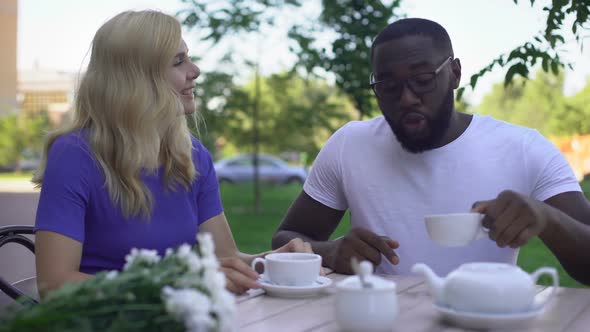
256	142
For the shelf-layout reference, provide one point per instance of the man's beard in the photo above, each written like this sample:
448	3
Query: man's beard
438	128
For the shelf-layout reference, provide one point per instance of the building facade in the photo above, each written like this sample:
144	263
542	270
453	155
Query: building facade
8	72
42	90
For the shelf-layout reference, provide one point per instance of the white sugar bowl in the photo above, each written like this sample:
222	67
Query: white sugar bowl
371	309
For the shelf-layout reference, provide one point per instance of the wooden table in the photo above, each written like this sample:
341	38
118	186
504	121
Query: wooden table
569	310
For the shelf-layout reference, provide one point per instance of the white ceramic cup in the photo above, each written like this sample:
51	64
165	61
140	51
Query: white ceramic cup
290	269
455	229
372	309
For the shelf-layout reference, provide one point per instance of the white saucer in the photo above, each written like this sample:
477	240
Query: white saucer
487	321
295	292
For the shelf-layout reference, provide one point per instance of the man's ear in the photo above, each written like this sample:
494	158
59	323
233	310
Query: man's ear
456	69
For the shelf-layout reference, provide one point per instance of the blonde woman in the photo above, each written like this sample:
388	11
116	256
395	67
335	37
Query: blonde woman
126	172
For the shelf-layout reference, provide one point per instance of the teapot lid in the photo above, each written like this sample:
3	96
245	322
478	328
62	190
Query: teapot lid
354	283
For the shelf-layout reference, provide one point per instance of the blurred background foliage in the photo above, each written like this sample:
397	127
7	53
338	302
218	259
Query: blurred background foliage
327	86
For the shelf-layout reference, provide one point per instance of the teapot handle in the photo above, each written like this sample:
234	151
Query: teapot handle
554	276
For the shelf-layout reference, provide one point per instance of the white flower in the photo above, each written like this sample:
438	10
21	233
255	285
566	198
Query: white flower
210	263
183	250
206	245
99	295
130	296
136	256
169	252
111	275
224	305
189	258
214	280
189	306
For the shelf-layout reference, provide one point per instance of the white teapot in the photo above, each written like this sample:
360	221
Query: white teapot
486	287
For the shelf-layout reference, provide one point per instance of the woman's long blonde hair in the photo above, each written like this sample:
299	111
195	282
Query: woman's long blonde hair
132	115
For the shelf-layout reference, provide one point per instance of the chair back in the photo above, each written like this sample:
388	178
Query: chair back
16	234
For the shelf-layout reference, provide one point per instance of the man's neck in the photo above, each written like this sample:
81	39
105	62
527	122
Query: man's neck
458	124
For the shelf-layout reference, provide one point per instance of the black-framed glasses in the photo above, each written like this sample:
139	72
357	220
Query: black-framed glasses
419	84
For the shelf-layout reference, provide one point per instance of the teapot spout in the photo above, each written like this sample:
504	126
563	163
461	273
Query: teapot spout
435	283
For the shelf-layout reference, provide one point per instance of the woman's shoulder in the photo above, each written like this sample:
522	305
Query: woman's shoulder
73	139
201	156
71	145
199	149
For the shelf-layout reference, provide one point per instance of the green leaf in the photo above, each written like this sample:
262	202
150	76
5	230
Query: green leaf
473	80
460	92
545	65
555	67
519	68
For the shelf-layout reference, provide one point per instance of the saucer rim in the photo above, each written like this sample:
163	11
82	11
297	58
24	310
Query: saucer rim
481	315
320	284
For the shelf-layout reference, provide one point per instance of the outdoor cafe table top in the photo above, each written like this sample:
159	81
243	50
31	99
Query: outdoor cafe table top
569	310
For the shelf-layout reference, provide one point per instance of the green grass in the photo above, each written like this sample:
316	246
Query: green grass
16	176
253	232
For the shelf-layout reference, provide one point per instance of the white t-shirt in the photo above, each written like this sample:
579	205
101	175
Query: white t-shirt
388	190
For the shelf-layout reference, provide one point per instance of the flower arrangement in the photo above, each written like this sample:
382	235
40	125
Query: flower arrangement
182	291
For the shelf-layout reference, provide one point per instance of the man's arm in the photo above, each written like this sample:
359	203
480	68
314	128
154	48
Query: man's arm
314	222
562	222
567	233
311	221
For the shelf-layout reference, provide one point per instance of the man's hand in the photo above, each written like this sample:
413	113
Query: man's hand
364	245
239	276
513	219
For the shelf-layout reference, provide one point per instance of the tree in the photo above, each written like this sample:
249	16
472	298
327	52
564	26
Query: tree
353	24
212	91
217	20
543	48
19	132
296	114
575	120
540	104
9	150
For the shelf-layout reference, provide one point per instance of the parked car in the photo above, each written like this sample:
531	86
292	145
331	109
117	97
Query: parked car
271	169
29	161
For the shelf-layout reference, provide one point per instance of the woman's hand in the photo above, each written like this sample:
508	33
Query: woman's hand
295	245
239	276
298	245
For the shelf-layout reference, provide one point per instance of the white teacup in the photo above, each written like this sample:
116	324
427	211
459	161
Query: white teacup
366	309
455	229
290	269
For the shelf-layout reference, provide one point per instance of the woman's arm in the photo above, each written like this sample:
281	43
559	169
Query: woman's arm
57	258
235	264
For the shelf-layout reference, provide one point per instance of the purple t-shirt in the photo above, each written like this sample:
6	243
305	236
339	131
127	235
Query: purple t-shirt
75	202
